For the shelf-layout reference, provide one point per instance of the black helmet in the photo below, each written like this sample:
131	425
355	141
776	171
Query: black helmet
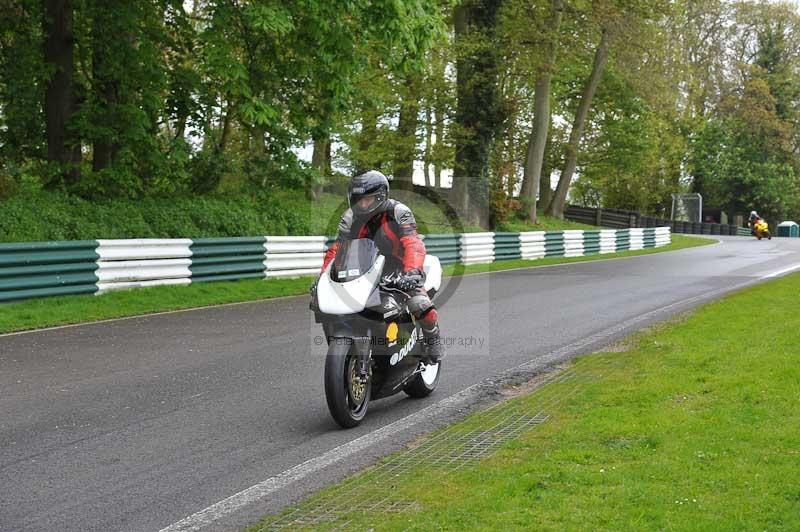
372	183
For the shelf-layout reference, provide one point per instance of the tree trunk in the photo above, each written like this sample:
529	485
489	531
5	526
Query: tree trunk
545	192
534	157
320	159
59	99
180	127
428	146
460	172
478	110
368	134
106	89
226	127
406	146
257	141
571	156
438	131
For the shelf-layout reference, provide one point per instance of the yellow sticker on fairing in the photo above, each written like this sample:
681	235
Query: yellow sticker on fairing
391	332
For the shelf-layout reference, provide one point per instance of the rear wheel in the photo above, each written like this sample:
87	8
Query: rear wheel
424	382
347	396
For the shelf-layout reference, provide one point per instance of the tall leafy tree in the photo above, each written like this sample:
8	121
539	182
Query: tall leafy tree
479	113
60	99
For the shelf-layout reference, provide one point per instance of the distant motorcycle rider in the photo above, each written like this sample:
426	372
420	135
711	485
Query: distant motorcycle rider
391	225
751	222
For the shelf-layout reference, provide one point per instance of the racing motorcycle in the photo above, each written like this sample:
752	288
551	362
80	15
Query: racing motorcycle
374	344
761	230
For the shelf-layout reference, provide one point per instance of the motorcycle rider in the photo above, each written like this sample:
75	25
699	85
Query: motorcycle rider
391	225
751	222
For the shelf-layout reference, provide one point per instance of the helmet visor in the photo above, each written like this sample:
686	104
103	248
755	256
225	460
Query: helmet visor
366	203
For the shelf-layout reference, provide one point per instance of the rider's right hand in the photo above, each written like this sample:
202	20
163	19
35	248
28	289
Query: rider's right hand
410	280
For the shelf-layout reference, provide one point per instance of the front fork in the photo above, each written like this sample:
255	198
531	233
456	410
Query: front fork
363	352
362	336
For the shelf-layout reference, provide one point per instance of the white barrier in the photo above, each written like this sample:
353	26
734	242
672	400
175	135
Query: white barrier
142	262
477	248
637	239
608	241
293	256
531	244
573	243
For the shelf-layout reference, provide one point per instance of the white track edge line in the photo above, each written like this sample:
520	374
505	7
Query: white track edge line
781	272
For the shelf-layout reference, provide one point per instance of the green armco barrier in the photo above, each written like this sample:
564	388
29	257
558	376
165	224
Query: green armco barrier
446	247
227	259
214	247
29	253
591	242
506	246
623	240
45	281
38	269
227	277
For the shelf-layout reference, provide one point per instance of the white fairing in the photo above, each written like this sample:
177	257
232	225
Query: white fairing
351	297
433	273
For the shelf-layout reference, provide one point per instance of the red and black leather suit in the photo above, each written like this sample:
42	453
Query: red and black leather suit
394	230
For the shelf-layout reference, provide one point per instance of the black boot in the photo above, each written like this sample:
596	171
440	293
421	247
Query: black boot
432	346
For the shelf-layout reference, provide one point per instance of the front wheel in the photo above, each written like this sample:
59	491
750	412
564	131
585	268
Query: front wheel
347	396
424	382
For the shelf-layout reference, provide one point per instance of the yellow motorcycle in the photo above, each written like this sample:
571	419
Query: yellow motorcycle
761	230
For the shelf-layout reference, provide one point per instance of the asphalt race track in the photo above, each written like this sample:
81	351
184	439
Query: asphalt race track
136	424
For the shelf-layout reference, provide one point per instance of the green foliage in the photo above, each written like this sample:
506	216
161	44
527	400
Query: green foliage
633	158
745	156
54	216
22	71
173	99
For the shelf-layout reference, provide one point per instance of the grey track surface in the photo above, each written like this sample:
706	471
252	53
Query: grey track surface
135	424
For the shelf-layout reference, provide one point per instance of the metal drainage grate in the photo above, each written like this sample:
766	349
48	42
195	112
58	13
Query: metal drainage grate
456	447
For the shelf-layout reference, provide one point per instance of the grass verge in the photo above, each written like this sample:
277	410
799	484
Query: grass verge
693	427
64	310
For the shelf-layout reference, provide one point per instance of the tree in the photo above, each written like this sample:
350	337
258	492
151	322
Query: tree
558	201
534	157
745	155
59	100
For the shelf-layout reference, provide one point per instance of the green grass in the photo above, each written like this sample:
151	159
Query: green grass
63	310
693	427
545	223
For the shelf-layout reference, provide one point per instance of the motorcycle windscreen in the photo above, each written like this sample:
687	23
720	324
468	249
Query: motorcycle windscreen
348	285
353	259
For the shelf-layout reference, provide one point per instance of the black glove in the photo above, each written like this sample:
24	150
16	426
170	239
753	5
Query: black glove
409	281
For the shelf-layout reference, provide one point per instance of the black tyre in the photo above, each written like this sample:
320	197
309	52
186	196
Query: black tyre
348	398
424	382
